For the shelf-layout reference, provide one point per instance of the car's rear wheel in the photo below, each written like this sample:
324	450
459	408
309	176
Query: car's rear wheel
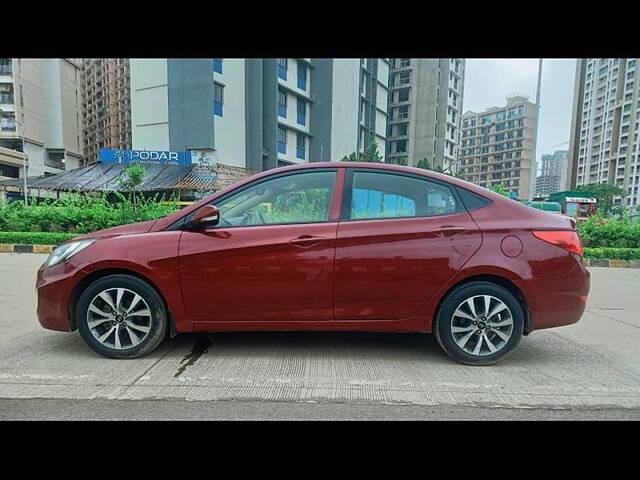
479	323
121	316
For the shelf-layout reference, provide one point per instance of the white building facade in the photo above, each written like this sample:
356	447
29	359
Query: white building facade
40	103
604	146
259	113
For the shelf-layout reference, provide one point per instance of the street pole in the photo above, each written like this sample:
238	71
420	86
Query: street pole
534	164
24	145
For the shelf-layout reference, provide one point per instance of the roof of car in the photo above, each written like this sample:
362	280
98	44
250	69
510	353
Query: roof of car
393	167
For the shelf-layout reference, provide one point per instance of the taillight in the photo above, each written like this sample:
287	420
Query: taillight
561	238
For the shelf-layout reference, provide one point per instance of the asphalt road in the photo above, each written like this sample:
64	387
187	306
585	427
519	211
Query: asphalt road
590	370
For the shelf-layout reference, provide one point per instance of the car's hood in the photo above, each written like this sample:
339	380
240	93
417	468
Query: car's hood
128	229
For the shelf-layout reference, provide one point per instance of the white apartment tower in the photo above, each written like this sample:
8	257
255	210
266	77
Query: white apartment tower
497	146
605	129
260	113
425	110
40	103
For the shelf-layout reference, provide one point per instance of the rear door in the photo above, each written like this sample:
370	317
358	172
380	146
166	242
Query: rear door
400	238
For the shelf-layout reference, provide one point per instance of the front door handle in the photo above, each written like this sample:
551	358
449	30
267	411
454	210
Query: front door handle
449	230
307	241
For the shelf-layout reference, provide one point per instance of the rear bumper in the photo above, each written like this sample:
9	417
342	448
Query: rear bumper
55	286
559	300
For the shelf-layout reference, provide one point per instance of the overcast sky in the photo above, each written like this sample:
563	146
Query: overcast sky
489	81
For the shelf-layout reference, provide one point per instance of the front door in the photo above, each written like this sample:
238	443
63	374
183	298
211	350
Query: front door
271	256
400	238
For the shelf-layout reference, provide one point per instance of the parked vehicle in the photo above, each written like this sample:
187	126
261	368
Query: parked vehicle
579	205
554	207
325	246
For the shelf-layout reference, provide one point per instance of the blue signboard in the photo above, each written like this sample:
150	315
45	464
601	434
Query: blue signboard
513	195
145	156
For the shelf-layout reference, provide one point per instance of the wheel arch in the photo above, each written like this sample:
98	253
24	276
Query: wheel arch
98	274
497	280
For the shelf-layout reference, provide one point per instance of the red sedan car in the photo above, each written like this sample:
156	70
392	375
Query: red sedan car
325	246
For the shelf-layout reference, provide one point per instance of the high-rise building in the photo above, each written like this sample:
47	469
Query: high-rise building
606	125
349	110
425	109
553	171
259	113
40	104
497	145
106	109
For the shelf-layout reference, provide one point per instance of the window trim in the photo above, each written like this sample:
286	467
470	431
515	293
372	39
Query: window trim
347	192
179	224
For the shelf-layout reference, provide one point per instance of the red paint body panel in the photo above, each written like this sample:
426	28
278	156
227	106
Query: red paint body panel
364	275
256	273
387	269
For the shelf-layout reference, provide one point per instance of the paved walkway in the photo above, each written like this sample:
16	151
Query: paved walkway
593	364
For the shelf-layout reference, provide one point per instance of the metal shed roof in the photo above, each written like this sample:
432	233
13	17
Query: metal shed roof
102	177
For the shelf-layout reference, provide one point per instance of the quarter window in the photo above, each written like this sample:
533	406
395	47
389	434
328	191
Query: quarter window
385	195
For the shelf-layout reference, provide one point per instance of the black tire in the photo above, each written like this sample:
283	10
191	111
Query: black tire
442	325
158	324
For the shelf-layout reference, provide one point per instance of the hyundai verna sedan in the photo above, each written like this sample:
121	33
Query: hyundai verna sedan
325	246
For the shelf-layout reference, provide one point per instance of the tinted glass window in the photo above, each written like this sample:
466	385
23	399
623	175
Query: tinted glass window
296	198
384	195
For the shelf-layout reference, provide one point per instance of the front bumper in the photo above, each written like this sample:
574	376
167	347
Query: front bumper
55	286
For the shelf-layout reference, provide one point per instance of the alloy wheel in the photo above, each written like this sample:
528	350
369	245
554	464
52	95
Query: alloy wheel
482	325
119	318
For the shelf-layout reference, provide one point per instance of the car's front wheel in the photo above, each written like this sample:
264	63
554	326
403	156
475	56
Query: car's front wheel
121	316
479	323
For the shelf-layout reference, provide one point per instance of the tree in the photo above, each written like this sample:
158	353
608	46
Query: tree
370	154
604	194
499	189
401	161
424	163
130	178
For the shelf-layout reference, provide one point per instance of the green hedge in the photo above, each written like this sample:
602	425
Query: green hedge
597	232
35	238
612	253
79	213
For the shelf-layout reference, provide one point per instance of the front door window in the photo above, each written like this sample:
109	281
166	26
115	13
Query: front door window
293	198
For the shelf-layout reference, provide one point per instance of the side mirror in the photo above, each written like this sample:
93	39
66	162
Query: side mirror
205	216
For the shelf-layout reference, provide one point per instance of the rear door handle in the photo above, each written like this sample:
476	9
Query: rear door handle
307	241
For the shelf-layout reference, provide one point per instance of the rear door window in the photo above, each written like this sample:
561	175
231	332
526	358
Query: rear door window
376	195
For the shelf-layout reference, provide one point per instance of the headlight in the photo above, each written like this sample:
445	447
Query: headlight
66	251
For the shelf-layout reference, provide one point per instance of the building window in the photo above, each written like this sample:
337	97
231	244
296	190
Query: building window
403	78
282	68
9	171
8	123
218	99
5	66
302	75
55	158
6	93
302	111
300	146
401	146
282	103
217	65
282	140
